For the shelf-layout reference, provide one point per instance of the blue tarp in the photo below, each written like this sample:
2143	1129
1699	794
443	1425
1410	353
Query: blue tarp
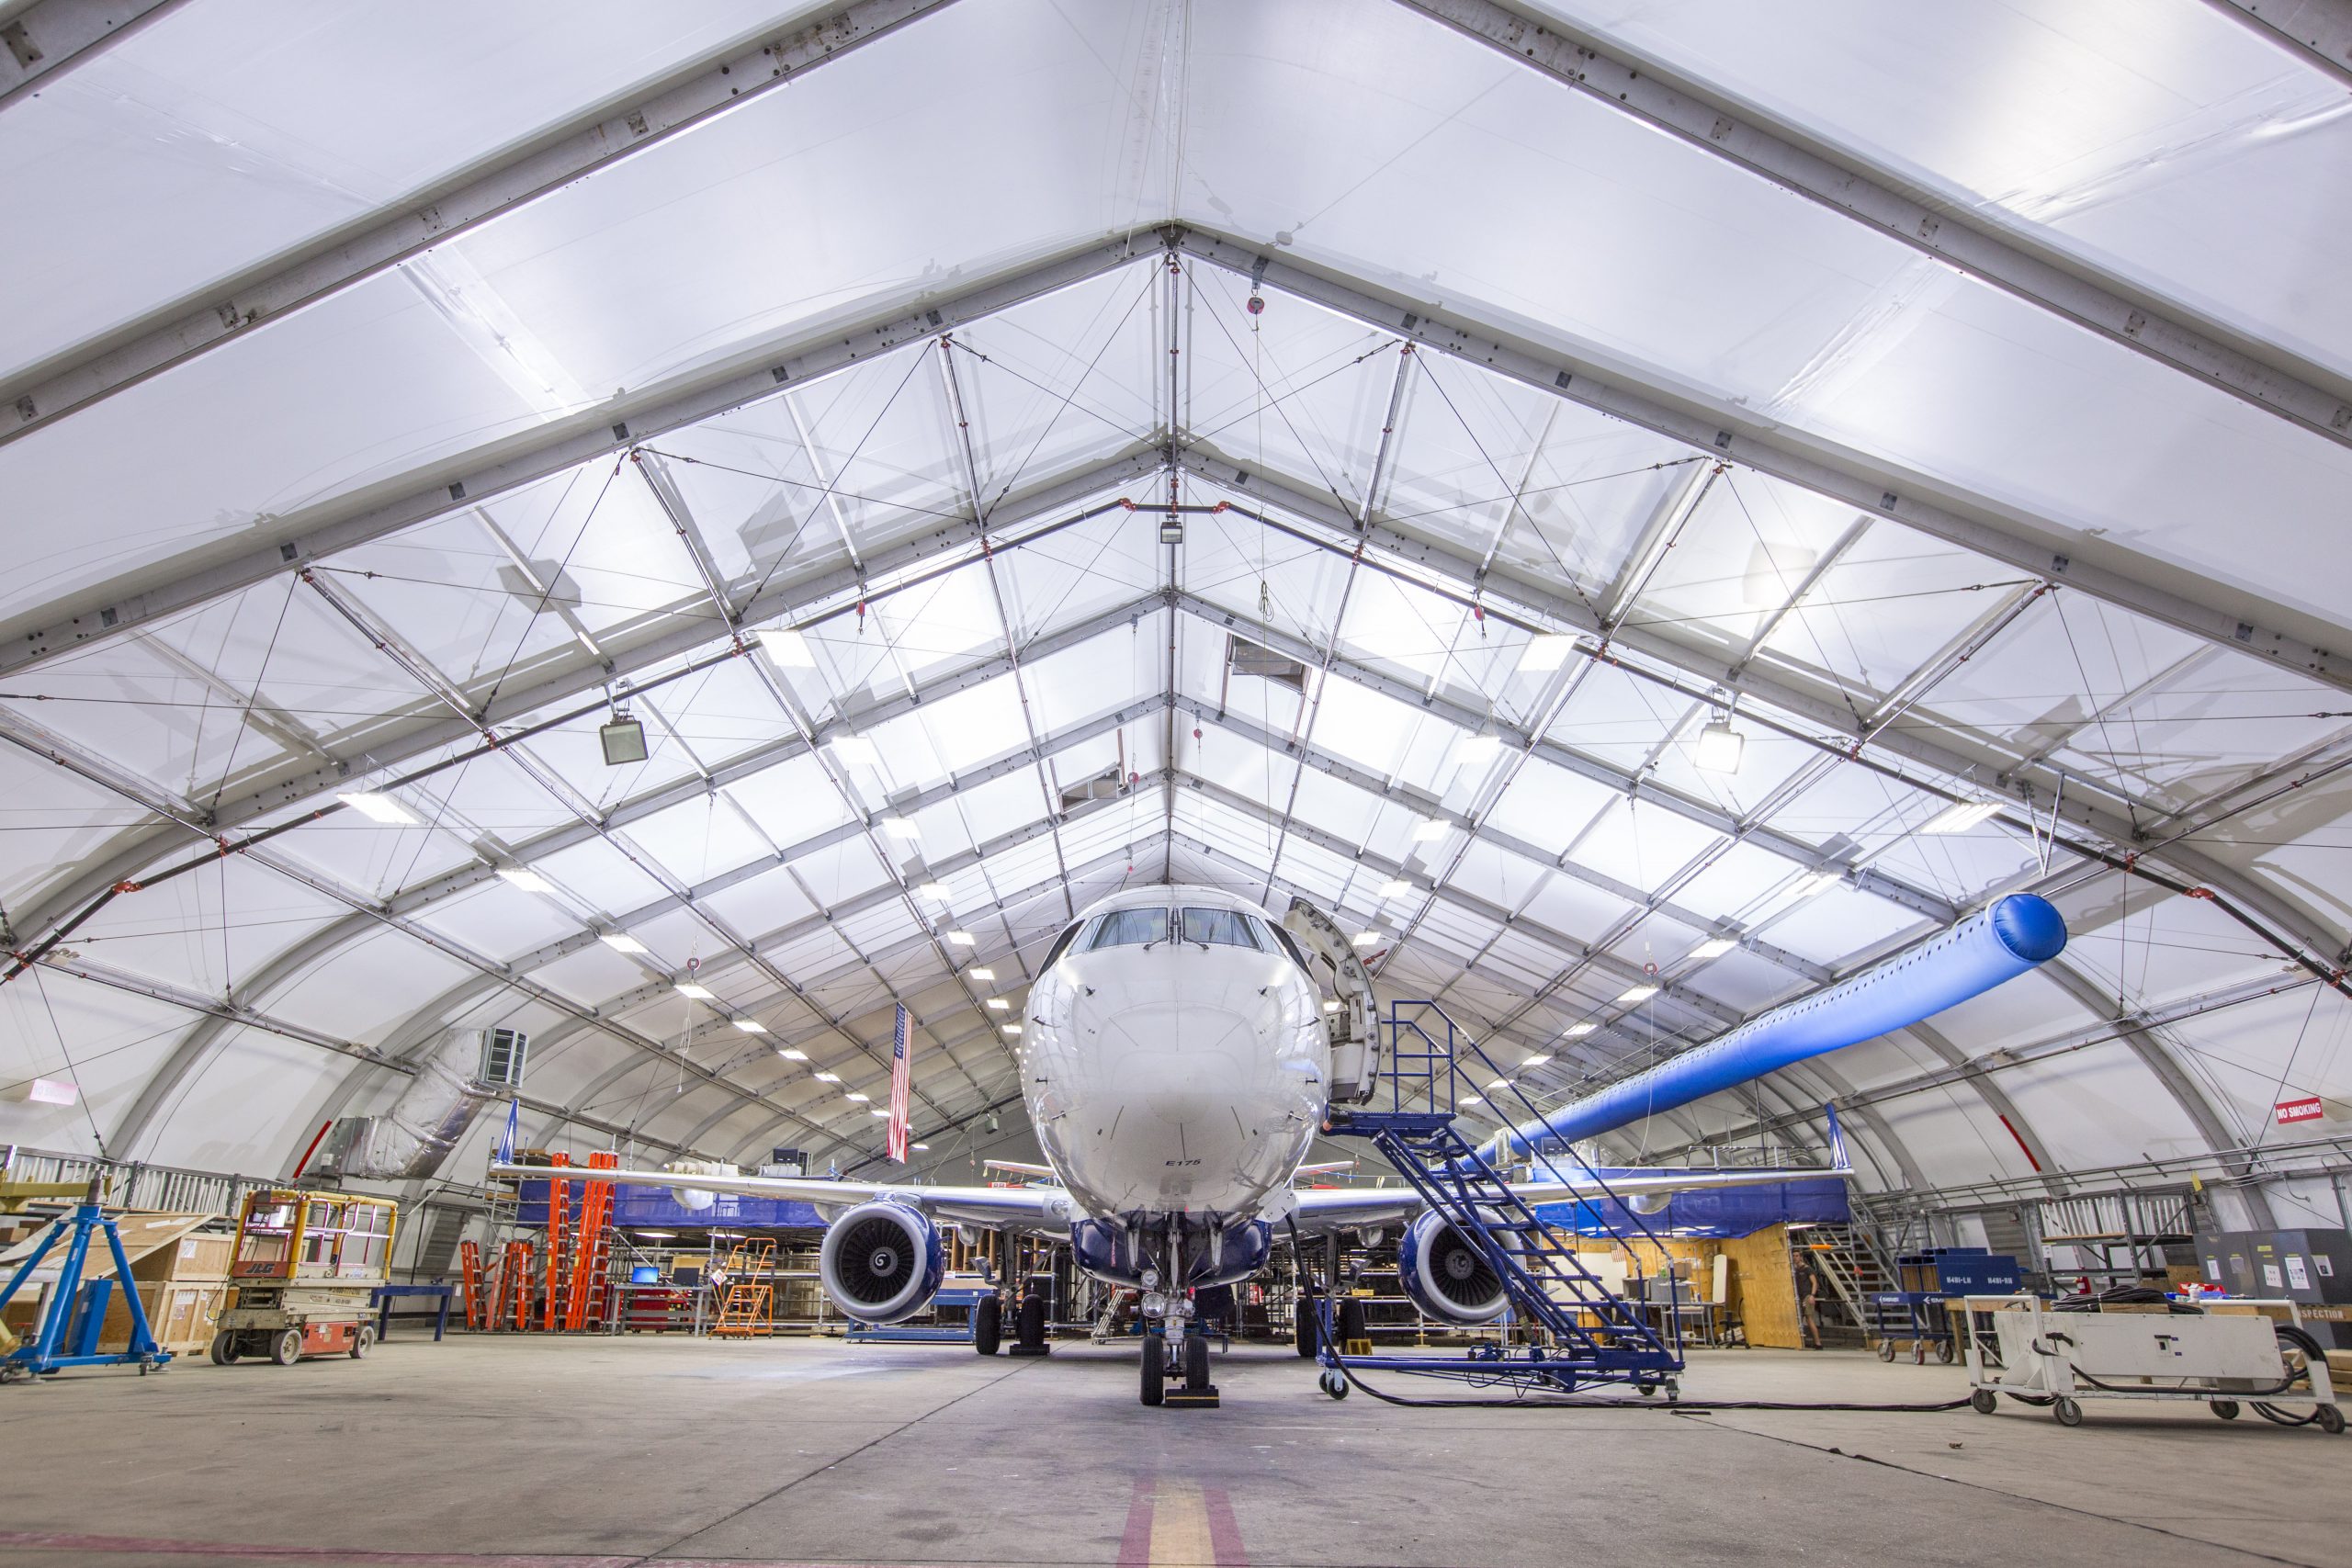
1711	1214
654	1207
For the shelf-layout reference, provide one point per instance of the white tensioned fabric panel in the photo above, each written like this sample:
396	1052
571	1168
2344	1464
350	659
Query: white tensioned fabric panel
1657	253
2163	144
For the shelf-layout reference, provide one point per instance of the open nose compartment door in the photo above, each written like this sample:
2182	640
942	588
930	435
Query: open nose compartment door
1356	1061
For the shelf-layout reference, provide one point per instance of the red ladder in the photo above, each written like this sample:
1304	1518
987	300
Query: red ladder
552	1304
469	1269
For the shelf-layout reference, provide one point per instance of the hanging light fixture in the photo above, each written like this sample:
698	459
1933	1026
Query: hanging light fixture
1719	745
1960	816
623	739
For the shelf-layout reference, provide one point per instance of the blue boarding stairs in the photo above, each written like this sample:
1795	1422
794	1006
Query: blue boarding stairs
1574	1332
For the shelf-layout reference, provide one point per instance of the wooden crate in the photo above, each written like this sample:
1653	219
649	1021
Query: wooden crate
180	1313
203	1256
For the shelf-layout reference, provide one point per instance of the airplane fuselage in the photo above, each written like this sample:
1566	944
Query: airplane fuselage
1175	1059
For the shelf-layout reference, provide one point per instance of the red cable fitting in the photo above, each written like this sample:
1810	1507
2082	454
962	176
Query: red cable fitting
126	887
2205	893
1129	505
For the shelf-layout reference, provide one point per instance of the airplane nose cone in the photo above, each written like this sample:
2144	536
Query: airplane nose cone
1180	1063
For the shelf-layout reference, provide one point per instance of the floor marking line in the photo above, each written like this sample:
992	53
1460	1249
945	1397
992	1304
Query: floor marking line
1225	1532
1135	1542
1180	1528
144	1546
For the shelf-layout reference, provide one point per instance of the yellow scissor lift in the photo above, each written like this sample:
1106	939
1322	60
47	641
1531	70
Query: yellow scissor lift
306	1268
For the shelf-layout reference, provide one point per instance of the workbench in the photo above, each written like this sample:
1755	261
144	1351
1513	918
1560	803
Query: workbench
381	1298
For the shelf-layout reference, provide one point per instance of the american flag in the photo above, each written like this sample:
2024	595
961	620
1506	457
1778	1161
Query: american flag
903	1050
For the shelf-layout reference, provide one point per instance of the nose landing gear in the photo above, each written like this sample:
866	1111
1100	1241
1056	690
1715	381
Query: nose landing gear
1188	1369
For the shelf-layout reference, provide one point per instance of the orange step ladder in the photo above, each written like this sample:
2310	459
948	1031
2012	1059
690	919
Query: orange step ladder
747	1308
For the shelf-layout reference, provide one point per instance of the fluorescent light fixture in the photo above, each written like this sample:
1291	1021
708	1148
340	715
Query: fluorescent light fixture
378	807
925	1148
1639	994
788	647
979	973
526	879
688	988
1719	748
829	1077
750	1025
998	1004
791	1054
879	1115
1537	1060
936	891
962	939
1713	947
1012	1029
1470	1099
623	740
1428	830
663	1235
1547	651
1330	1006
855	751
1477	750
1366	939
1498	1083
856	1098
901	827
1395	889
1960	816
1577	1031
51	1091
621	942
1816	882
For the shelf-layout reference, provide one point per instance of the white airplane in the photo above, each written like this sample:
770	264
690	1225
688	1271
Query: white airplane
1178	1060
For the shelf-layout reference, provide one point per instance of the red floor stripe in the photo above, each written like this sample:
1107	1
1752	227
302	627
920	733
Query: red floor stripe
1224	1533
1134	1546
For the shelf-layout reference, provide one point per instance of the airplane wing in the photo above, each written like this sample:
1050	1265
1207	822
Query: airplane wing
1042	1210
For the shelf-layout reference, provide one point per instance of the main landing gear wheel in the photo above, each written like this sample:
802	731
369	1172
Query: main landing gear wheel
1155	1369
363	1341
1984	1401
1334	1383
287	1347
2069	1413
225	1349
987	1325
1196	1363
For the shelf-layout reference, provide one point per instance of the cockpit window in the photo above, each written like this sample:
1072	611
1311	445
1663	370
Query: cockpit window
1061	945
1219	928
1128	928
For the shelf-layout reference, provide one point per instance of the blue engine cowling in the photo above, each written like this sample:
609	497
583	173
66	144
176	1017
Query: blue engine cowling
1103	1249
1448	1277
881	1261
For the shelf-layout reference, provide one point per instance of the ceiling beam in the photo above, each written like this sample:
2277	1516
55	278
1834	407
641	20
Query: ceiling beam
2011	257
2317	32
41	44
608	134
2189	601
306	535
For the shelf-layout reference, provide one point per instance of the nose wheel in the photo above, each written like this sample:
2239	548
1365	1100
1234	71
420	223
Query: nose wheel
1178	1382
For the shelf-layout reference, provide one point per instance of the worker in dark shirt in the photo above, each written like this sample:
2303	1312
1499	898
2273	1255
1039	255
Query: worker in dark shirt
1808	1298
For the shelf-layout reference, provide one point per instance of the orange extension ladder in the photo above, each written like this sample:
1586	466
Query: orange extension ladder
552	1304
469	1270
584	1295
509	1288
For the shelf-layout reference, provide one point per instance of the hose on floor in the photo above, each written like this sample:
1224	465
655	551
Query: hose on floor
1674	1406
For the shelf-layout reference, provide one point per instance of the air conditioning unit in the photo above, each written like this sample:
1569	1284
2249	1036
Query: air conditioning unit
502	1051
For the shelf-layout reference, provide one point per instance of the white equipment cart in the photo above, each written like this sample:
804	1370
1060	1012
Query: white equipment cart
2226	1358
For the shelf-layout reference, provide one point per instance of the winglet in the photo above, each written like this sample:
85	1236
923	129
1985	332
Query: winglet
1842	1163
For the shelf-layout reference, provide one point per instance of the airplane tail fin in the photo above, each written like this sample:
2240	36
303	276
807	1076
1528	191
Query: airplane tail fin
1842	1163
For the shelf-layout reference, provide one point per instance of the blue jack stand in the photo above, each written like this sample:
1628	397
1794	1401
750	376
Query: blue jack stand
73	1318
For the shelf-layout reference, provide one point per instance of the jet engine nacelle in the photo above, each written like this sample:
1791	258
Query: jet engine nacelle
1446	1274
881	1261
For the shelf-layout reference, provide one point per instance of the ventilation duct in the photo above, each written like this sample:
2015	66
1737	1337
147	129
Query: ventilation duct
1247	659
415	1136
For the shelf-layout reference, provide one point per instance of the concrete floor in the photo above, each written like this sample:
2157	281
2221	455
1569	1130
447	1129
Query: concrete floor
535	1453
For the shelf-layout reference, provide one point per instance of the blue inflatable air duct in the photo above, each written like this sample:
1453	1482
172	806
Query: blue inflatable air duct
1996	944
